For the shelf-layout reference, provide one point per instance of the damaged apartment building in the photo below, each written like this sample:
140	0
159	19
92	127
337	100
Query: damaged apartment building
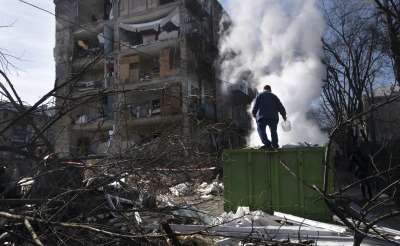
152	69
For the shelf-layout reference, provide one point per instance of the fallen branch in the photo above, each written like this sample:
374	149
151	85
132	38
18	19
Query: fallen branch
75	225
35	237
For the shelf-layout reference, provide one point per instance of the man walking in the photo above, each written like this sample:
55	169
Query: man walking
265	110
361	172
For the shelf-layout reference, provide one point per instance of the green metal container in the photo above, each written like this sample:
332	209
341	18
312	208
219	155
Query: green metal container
257	178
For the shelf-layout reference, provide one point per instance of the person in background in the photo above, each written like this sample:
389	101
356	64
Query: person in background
265	110
337	160
94	18
361	172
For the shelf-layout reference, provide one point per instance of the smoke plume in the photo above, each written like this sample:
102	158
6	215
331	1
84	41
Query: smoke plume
279	42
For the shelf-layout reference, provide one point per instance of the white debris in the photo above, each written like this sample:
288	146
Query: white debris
189	212
231	227
180	189
116	184
213	188
299	144
206	197
138	218
243	217
313	223
167	201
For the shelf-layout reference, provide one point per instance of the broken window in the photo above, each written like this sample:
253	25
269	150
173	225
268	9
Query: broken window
90	11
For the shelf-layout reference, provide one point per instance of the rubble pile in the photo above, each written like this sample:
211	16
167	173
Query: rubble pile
148	208
101	208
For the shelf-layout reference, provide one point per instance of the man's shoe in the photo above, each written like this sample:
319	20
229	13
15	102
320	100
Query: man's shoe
266	146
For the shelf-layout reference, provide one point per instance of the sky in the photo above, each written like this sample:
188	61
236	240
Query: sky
282	48
29	34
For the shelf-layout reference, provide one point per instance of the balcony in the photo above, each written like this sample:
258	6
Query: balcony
94	114
102	124
94	11
152	105
195	29
132	112
92	42
147	116
91	116
145	9
136	34
89	85
87	51
140	69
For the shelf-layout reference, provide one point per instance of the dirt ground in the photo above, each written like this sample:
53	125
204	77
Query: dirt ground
214	206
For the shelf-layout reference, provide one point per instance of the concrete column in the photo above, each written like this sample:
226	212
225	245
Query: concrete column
185	81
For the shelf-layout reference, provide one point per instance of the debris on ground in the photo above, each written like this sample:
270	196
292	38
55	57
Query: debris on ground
180	189
185	212
206	190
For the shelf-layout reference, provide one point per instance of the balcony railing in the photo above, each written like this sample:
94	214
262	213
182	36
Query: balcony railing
132	112
89	85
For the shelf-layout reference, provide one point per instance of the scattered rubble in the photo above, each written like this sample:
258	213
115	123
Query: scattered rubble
188	212
214	188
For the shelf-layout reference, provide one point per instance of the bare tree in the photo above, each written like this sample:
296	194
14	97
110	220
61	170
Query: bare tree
389	9
6	59
357	63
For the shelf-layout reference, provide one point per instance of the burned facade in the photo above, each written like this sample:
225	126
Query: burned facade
131	71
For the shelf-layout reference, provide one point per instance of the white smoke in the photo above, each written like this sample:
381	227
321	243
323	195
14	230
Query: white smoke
279	42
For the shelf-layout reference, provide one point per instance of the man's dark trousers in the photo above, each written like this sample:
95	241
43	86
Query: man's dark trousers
261	129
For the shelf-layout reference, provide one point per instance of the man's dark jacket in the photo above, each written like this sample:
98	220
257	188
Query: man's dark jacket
267	105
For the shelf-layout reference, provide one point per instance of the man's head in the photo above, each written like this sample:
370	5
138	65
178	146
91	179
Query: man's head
267	88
